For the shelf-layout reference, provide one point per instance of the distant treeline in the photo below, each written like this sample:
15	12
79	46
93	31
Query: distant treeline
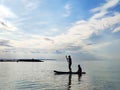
20	60
24	60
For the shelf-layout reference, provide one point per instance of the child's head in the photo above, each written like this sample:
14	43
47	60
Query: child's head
78	65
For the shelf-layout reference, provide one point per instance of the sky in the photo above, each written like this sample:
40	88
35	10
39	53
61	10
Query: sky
84	29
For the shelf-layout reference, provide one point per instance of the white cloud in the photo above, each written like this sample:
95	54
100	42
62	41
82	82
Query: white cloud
99	15
5	12
106	22
103	9
7	26
54	30
75	36
67	10
110	3
42	23
108	50
106	6
34	41
82	30
68	6
31	4
116	30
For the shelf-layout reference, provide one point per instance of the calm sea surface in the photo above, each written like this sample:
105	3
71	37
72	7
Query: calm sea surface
100	75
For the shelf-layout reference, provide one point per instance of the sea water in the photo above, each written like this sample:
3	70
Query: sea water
100	75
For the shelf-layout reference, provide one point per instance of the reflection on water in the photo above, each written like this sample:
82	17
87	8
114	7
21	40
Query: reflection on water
40	76
79	77
69	83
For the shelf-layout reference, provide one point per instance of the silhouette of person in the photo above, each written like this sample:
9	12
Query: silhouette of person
79	70
69	60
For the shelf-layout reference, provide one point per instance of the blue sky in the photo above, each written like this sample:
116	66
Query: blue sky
85	29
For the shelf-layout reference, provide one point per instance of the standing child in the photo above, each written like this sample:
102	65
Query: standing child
69	60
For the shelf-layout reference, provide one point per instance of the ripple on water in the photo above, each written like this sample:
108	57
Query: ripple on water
26	85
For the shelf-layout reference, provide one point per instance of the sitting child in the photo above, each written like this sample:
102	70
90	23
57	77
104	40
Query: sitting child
79	70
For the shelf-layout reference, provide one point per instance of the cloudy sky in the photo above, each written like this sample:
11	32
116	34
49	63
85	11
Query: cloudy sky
85	29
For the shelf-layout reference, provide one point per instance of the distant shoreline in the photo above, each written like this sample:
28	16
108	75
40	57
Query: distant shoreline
20	60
